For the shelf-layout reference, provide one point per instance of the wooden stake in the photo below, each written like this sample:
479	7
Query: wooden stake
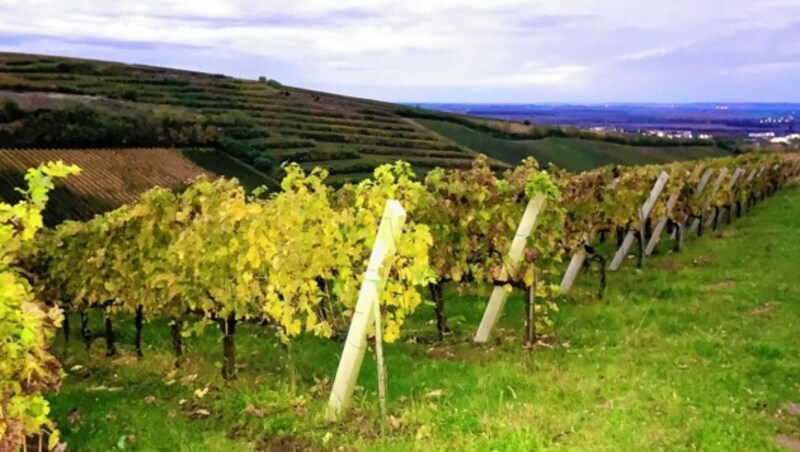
65	324
390	228
111	349
137	341
379	359
499	295
530	317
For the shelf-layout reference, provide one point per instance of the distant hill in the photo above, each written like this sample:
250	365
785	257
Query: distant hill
575	154
255	125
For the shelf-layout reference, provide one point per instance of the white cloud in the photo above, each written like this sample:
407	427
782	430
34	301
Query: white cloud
771	68
524	48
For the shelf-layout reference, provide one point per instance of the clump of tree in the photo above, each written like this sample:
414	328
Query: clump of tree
245	152
10	111
729	144
78	126
125	93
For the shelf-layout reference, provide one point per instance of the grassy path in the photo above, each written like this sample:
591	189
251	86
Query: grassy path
698	351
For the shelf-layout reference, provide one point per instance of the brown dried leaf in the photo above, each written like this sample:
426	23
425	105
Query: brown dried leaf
189	379
257	412
728	283
765	308
199	412
394	422
436	393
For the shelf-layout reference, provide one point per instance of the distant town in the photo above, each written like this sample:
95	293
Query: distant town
755	125
754	137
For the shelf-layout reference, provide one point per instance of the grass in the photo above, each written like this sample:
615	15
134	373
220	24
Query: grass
571	153
697	351
224	165
581	155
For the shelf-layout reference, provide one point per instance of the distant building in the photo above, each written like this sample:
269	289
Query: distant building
673	135
761	135
786	139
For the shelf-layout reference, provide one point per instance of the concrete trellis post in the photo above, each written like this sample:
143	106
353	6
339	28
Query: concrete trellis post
737	177
698	191
656	237
644	212
575	265
499	295
579	257
710	218
717	183
734	180
751	175
390	228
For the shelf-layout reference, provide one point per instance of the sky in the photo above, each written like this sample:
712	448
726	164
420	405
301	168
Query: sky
495	51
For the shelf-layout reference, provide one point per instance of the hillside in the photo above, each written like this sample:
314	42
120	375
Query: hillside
261	123
108	178
575	154
55	102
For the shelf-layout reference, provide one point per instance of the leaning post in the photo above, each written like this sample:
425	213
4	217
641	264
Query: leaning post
367	308
499	295
644	212
717	183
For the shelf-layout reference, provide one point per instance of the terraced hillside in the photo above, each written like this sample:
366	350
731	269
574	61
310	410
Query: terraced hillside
62	102
108	178
262	123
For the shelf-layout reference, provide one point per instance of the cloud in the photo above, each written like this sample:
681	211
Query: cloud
504	50
771	68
